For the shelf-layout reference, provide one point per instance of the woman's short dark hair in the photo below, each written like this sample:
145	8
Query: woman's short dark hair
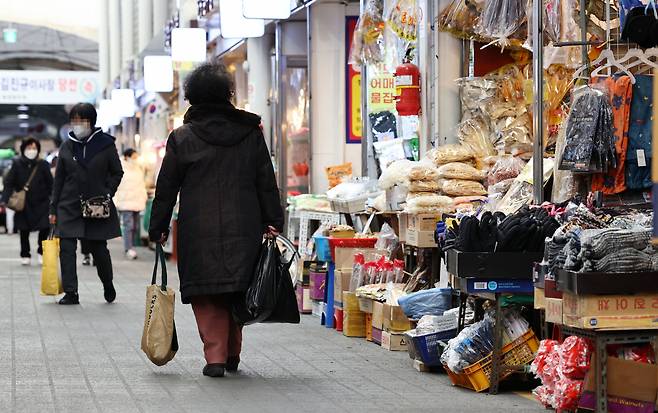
29	141
85	111
209	83
129	152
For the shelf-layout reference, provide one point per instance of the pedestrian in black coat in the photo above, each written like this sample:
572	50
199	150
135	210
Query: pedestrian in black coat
219	166
34	217
88	166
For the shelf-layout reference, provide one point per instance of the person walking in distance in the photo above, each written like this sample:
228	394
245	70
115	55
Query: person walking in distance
130	199
88	170
220	165
32	174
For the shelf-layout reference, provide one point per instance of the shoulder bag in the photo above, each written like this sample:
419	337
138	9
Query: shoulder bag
17	199
97	207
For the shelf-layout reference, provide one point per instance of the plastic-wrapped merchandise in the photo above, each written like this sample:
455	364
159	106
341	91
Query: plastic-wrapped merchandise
368	41
472	344
424	186
575	353
398	271
397	173
459	187
388	152
477	94
639	353
426	302
430	201
542	364
513	130
383	126
459	170
404	18
552	24
500	187
506	167
475	133
565	183
545	395
519	194
357	278
450	153
501	19
461	17
386	239
423	172
567	394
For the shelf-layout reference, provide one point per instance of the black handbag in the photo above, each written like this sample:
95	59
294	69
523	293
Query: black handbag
270	297
96	208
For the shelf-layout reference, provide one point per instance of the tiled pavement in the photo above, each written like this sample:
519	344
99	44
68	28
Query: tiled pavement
87	358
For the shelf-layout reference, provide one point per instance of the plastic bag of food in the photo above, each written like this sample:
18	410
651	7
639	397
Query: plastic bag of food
575	353
424	186
423	172
356	280
404	18
567	394
476	94
461	17
397	173
501	187
450	153
458	187
475	133
552	24
458	170
386	239
433	200
501	19
368	41
507	167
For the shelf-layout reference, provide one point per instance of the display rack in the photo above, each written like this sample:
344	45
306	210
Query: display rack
304	218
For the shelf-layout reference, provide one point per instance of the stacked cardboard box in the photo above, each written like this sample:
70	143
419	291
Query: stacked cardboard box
354	320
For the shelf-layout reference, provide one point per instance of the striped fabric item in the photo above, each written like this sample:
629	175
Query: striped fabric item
624	260
596	244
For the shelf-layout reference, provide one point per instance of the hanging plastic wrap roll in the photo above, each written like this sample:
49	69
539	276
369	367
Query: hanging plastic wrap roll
404	18
501	19
368	41
461	17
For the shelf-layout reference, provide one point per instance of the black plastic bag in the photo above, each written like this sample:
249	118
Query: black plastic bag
271	296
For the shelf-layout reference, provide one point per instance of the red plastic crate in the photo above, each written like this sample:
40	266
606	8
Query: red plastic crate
350	243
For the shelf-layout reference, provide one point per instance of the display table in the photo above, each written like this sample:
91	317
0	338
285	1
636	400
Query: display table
304	218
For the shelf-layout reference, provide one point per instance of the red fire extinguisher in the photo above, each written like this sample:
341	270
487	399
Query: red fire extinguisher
407	89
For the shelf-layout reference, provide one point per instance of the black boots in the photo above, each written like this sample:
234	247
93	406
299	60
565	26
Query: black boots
109	293
214	370
70	299
232	363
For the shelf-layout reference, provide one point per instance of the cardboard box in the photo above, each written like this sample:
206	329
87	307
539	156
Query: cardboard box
632	386
350	302
540	299
345	257
378	315
423	222
610	311
341	284
403	220
365	305
354	324
394	341
395	320
420	239
554	310
377	335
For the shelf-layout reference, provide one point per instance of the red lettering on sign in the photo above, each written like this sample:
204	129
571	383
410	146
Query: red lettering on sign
62	83
622	304
376	83
654	303
639	304
376	97
604	305
388	97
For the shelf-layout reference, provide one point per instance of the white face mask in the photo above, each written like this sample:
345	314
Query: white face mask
31	153
81	131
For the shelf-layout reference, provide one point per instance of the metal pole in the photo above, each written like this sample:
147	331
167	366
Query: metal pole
538	101
309	95
278	87
365	142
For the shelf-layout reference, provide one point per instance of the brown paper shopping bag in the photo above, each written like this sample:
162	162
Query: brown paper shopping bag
159	340
50	281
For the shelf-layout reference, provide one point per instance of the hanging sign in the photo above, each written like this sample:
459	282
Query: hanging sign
48	87
381	92
352	88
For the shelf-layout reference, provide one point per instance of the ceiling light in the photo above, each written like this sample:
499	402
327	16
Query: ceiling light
266	9
233	23
24	125
23	116
188	45
22	108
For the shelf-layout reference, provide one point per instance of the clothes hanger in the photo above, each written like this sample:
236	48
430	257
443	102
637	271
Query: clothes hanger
648	54
611	62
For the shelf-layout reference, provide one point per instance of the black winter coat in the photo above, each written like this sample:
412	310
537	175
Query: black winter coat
35	215
220	164
86	169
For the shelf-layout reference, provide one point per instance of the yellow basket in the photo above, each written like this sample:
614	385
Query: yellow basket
477	376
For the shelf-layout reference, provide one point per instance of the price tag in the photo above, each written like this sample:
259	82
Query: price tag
641	159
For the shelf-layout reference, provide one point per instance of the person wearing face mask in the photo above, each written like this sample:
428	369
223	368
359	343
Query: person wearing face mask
30	172
130	199
88	168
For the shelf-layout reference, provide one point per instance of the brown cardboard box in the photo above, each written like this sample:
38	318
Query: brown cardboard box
345	257
377	335
540	299
554	310
365	305
423	222
341	284
610	311
354	324
632	386
403	220
378	315
394	341
420	239
395	320
350	302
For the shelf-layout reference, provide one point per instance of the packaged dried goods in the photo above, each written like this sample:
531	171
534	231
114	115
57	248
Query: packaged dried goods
423	173
458	170
368	41
506	167
424	186
458	187
450	153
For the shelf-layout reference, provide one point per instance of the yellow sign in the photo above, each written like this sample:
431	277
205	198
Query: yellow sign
381	92
355	105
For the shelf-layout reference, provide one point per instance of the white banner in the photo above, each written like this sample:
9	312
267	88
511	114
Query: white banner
48	87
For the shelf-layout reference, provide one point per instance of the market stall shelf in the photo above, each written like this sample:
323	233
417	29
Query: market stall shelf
606	283
305	218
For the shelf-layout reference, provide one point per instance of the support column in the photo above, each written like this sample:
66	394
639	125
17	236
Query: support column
127	32
104	45
260	84
447	107
114	38
145	34
328	86
160	14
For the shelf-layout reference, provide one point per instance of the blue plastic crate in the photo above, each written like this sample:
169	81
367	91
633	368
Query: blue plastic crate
426	347
322	248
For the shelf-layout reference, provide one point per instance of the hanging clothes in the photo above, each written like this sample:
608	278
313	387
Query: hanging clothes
620	91
638	153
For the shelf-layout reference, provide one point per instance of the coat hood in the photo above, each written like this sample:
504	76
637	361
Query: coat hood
220	124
